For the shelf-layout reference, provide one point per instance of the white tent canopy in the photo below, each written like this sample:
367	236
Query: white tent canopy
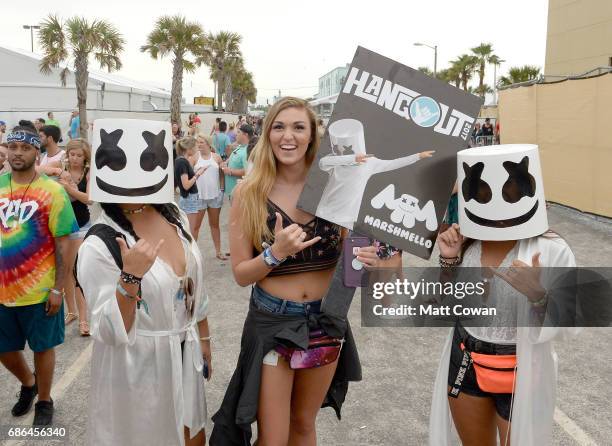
26	93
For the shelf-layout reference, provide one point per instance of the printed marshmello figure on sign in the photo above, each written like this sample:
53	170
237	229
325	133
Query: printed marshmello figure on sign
132	161
501	192
406	208
350	167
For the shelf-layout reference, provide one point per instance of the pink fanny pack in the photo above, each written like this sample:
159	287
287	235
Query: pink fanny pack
322	350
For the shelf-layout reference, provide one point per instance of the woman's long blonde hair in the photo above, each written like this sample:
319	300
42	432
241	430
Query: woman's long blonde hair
256	187
184	145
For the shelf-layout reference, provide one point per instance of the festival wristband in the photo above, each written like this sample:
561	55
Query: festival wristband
542	302
448	262
125	293
130	278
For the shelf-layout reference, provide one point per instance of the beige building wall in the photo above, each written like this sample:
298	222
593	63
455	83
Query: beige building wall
579	36
570	122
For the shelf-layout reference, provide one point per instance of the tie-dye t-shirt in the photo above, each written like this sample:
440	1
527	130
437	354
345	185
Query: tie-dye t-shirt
29	221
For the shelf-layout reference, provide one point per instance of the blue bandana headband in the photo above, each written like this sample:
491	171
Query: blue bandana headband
21	136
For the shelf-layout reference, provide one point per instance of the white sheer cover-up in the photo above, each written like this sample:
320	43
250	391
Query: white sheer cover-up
143	389
536	381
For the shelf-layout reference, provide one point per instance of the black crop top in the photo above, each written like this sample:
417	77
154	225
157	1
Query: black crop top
321	256
81	211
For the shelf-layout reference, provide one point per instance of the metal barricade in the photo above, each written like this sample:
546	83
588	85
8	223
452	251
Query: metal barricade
485	140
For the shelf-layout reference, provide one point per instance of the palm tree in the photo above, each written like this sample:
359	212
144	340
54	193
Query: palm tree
220	50
75	41
483	90
520	74
244	90
179	38
425	70
450	75
484	53
465	65
232	69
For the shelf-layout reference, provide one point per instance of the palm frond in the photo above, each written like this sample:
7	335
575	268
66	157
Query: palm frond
189	66
52	40
520	74
174	34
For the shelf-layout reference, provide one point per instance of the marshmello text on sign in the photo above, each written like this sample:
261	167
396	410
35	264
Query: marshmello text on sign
409	104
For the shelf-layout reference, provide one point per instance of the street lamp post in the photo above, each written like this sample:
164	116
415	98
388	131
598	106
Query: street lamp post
31	28
499	62
435	48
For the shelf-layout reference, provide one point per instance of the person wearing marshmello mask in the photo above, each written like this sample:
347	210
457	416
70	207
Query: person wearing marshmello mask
349	174
148	317
502	223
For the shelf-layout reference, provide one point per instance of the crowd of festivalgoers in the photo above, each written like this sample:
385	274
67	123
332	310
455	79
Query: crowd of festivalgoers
485	134
142	290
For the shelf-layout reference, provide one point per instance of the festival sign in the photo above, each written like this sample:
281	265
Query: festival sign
387	164
204	100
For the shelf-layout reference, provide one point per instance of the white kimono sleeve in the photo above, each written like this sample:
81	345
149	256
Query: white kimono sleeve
328	162
98	275
388	165
201	311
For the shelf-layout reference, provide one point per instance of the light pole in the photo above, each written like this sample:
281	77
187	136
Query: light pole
498	62
31	28
435	48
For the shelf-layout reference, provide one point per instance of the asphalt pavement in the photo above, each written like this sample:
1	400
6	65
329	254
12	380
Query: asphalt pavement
390	406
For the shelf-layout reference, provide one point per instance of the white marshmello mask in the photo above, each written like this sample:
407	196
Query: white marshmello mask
132	161
346	137
501	192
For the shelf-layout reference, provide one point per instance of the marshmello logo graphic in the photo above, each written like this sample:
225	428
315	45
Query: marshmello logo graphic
424	111
501	193
406	209
132	161
346	137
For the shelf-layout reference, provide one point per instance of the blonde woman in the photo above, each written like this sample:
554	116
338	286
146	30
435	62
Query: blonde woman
185	179
75	179
210	189
293	358
231	133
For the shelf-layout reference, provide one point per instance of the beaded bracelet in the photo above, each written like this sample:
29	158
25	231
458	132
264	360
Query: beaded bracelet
447	262
130	278
542	302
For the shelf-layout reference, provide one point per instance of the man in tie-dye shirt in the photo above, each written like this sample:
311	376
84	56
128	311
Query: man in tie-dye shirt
35	219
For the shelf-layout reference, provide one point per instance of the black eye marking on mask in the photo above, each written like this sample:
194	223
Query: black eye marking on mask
156	153
473	187
348	147
520	182
109	153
